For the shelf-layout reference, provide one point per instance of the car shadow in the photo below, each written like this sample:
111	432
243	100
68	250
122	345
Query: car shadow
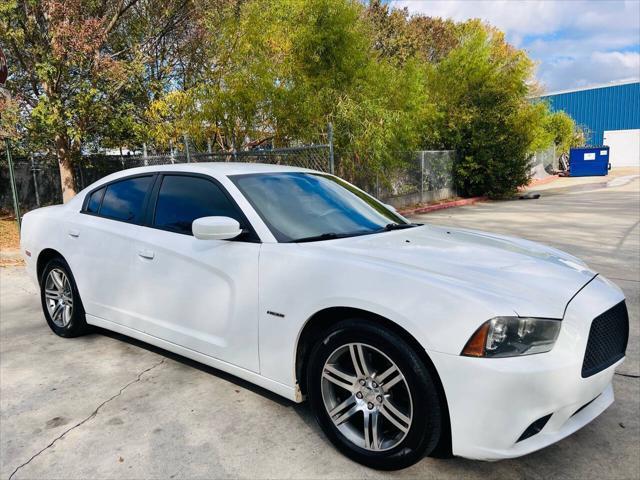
200	366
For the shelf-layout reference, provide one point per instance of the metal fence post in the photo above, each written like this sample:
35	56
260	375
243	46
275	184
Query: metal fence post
34	169
422	176
331	160
12	180
81	174
186	147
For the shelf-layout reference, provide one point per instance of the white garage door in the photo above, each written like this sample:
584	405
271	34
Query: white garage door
624	147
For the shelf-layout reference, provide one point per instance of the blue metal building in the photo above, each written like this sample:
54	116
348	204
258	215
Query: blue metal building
610	115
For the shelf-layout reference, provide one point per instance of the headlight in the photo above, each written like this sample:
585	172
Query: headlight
513	336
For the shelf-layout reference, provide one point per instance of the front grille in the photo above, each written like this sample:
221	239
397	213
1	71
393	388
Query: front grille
607	340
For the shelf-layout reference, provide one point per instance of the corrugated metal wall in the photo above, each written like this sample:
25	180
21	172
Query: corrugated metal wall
614	107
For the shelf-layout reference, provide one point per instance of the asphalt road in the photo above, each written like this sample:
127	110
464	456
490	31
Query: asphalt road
104	406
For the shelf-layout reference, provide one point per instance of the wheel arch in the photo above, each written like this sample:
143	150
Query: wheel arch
44	257
324	319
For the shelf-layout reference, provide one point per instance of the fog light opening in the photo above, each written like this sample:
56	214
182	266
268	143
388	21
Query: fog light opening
535	428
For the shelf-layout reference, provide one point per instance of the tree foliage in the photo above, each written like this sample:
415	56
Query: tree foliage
84	69
563	131
481	89
91	74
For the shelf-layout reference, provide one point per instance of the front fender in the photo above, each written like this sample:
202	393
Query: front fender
295	283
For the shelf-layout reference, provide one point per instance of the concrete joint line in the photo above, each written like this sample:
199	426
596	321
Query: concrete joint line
93	414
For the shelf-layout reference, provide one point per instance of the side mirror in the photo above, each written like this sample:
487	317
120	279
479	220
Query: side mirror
215	228
391	207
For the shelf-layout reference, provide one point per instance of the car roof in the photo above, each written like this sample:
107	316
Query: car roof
215	168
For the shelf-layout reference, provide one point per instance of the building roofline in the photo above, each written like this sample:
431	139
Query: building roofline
591	87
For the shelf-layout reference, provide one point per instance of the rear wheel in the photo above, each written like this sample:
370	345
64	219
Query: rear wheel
373	396
61	302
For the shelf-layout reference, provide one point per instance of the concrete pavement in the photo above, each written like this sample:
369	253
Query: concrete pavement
103	406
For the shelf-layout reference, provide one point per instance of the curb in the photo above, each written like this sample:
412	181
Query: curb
539	181
442	206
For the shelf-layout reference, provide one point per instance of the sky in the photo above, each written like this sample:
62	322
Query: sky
574	42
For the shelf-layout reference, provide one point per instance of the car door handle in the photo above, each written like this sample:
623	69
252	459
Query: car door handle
146	254
74	233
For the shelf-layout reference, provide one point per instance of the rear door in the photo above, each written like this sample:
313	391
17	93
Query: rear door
103	237
200	294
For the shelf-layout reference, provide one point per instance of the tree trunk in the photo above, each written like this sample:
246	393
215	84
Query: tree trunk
63	148
65	162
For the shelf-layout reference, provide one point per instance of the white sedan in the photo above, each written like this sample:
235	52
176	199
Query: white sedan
406	339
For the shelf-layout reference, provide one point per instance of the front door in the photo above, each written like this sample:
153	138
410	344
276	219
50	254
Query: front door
199	294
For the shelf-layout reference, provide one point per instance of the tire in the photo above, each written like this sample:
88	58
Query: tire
408	409
60	300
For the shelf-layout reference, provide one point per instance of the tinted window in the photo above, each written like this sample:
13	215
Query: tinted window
298	206
183	199
93	205
124	200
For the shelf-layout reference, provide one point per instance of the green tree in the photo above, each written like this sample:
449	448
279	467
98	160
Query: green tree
563	131
481	89
75	62
400	37
281	70
91	74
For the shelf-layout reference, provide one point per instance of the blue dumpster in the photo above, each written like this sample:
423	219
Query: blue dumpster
589	161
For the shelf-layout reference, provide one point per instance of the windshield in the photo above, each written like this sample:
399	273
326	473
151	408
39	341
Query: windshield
300	206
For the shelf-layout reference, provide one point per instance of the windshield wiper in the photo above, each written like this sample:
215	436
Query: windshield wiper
331	236
323	236
399	226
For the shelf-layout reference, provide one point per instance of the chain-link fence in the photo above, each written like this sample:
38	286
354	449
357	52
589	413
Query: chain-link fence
419	177
38	178
544	163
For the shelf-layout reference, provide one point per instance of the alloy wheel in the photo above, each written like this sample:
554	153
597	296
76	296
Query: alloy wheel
59	297
367	397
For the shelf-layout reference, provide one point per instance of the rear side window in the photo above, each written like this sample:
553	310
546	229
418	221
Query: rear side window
183	199
93	205
124	200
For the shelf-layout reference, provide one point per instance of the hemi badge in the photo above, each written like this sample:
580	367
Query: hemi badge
275	314
28	253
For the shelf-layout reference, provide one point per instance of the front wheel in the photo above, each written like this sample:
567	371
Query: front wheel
373	396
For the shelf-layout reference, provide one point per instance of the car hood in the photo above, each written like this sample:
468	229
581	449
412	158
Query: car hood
532	279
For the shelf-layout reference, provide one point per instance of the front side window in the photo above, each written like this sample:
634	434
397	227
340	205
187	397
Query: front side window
183	199
300	206
124	200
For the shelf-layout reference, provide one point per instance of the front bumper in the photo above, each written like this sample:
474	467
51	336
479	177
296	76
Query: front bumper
492	401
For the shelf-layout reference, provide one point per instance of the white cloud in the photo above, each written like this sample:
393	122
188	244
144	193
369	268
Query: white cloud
599	67
523	17
563	36
535	17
